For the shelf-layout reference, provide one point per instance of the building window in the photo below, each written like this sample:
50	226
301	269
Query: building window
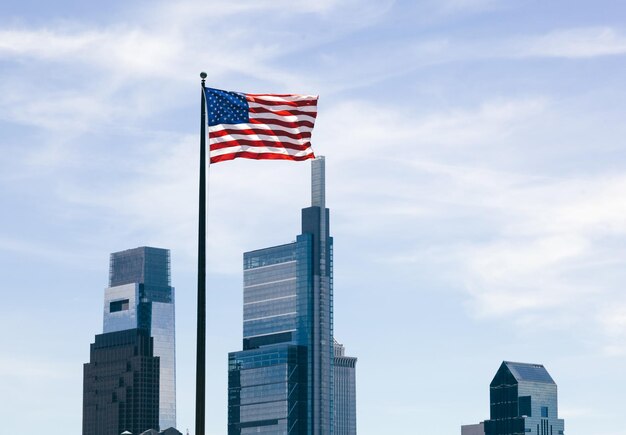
116	306
525	406
544	411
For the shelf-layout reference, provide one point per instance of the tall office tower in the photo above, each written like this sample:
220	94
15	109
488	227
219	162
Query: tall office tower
473	429
345	392
140	295
121	384
282	380
523	399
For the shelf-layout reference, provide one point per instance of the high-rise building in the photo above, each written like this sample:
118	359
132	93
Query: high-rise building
121	384
345	392
282	380
523	399
138	302
140	295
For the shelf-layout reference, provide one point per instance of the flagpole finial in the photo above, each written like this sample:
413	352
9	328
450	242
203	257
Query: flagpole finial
203	76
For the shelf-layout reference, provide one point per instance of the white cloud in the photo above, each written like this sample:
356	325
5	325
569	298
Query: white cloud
575	43
613	320
542	257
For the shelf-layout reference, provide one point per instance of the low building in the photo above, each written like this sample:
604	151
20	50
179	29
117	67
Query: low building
473	429
523	401
344	391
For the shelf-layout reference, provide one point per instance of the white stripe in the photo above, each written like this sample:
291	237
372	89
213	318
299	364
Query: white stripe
275	128
291	118
269	333
311	109
269	282
261	150
271	265
296	98
269	317
261	137
268	300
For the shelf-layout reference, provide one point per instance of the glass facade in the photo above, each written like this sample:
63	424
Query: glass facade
523	400
140	295
268	390
121	384
282	381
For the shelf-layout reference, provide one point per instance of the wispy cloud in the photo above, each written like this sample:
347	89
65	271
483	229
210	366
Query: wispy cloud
575	43
456	6
26	370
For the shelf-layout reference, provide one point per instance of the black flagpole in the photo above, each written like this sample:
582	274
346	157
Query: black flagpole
201	333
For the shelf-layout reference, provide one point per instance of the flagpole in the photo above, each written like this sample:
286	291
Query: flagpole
201	332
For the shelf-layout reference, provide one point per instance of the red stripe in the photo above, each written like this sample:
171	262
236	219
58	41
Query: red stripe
260	100
277	133
274	95
282	112
288	124
259	143
260	156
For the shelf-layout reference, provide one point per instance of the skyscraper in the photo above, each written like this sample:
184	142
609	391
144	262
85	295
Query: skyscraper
121	384
140	295
138	302
282	380
345	392
523	399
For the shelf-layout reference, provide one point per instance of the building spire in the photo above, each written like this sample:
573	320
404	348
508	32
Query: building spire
318	182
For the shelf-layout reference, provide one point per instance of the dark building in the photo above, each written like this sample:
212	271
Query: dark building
121	384
345	392
523	400
282	380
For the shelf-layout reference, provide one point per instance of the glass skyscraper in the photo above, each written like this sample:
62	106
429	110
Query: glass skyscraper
282	380
345	392
523	399
140	295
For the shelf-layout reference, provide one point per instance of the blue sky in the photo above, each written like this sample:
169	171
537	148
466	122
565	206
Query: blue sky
475	175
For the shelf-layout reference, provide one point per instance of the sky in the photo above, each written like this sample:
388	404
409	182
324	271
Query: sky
476	177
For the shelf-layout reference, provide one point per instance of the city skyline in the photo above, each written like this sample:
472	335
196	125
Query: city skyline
475	172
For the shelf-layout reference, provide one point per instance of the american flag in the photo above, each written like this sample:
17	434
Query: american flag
260	126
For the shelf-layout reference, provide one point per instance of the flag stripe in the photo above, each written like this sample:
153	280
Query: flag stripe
261	150
277	154
278	97
257	125
258	131
227	142
309	110
259	156
285	116
261	119
310	116
270	103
